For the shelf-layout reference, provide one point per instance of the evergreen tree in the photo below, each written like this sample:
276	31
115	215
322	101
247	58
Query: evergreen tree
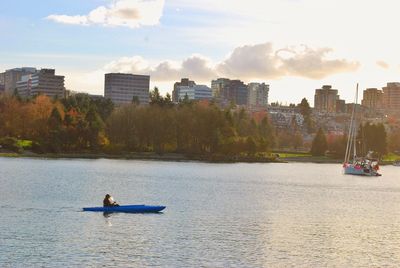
319	144
135	100
305	110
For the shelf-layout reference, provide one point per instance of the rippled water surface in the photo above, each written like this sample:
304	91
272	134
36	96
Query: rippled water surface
218	215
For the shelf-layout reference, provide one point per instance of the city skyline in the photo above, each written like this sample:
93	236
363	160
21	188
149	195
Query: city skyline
293	50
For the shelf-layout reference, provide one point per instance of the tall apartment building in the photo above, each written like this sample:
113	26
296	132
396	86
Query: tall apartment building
226	91
340	106
258	95
391	97
10	77
44	81
185	82
122	88
372	99
325	99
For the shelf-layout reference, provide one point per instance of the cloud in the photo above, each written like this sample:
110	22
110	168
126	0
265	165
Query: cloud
249	62
128	13
196	67
383	64
314	64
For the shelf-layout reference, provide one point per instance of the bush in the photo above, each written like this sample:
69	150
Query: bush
37	148
114	149
11	144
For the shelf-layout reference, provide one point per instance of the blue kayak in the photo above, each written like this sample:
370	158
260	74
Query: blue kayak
127	209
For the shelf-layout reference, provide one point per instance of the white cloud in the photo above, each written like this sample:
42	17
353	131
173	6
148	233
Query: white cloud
128	13
251	62
383	64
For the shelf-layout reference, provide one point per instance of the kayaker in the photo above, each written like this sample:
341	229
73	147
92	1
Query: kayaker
109	201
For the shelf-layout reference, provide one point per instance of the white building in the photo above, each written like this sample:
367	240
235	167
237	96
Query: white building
258	95
44	81
10	77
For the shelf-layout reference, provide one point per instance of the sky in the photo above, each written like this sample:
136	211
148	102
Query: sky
295	46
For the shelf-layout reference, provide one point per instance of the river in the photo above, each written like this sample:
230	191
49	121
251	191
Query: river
217	215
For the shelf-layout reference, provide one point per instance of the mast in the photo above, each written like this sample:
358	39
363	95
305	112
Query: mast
351	137
355	126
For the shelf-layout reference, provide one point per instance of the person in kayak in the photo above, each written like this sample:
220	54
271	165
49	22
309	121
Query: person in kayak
109	201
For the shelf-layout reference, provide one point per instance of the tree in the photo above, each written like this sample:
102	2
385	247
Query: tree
251	146
372	137
55	120
319	144
337	146
297	140
394	141
54	141
135	100
305	110
155	97
94	126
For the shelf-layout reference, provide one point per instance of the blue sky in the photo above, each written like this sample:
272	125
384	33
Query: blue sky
294	45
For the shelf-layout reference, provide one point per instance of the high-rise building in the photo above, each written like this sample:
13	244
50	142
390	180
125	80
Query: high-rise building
325	99
44	81
219	88
372	99
194	92
124	88
226	91
185	82
340	106
258	95
12	76
391	97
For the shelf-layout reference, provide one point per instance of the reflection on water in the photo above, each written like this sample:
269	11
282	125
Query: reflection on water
107	214
226	215
107	218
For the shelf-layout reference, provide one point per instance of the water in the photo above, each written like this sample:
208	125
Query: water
218	215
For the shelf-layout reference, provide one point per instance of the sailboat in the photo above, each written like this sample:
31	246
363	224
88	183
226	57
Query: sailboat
364	166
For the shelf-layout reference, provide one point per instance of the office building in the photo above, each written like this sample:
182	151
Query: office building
12	76
123	88
44	81
228	91
325	99
219	87
258	95
391	98
194	92
185	82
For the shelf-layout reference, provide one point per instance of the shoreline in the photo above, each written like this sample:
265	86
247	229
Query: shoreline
176	157
172	157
